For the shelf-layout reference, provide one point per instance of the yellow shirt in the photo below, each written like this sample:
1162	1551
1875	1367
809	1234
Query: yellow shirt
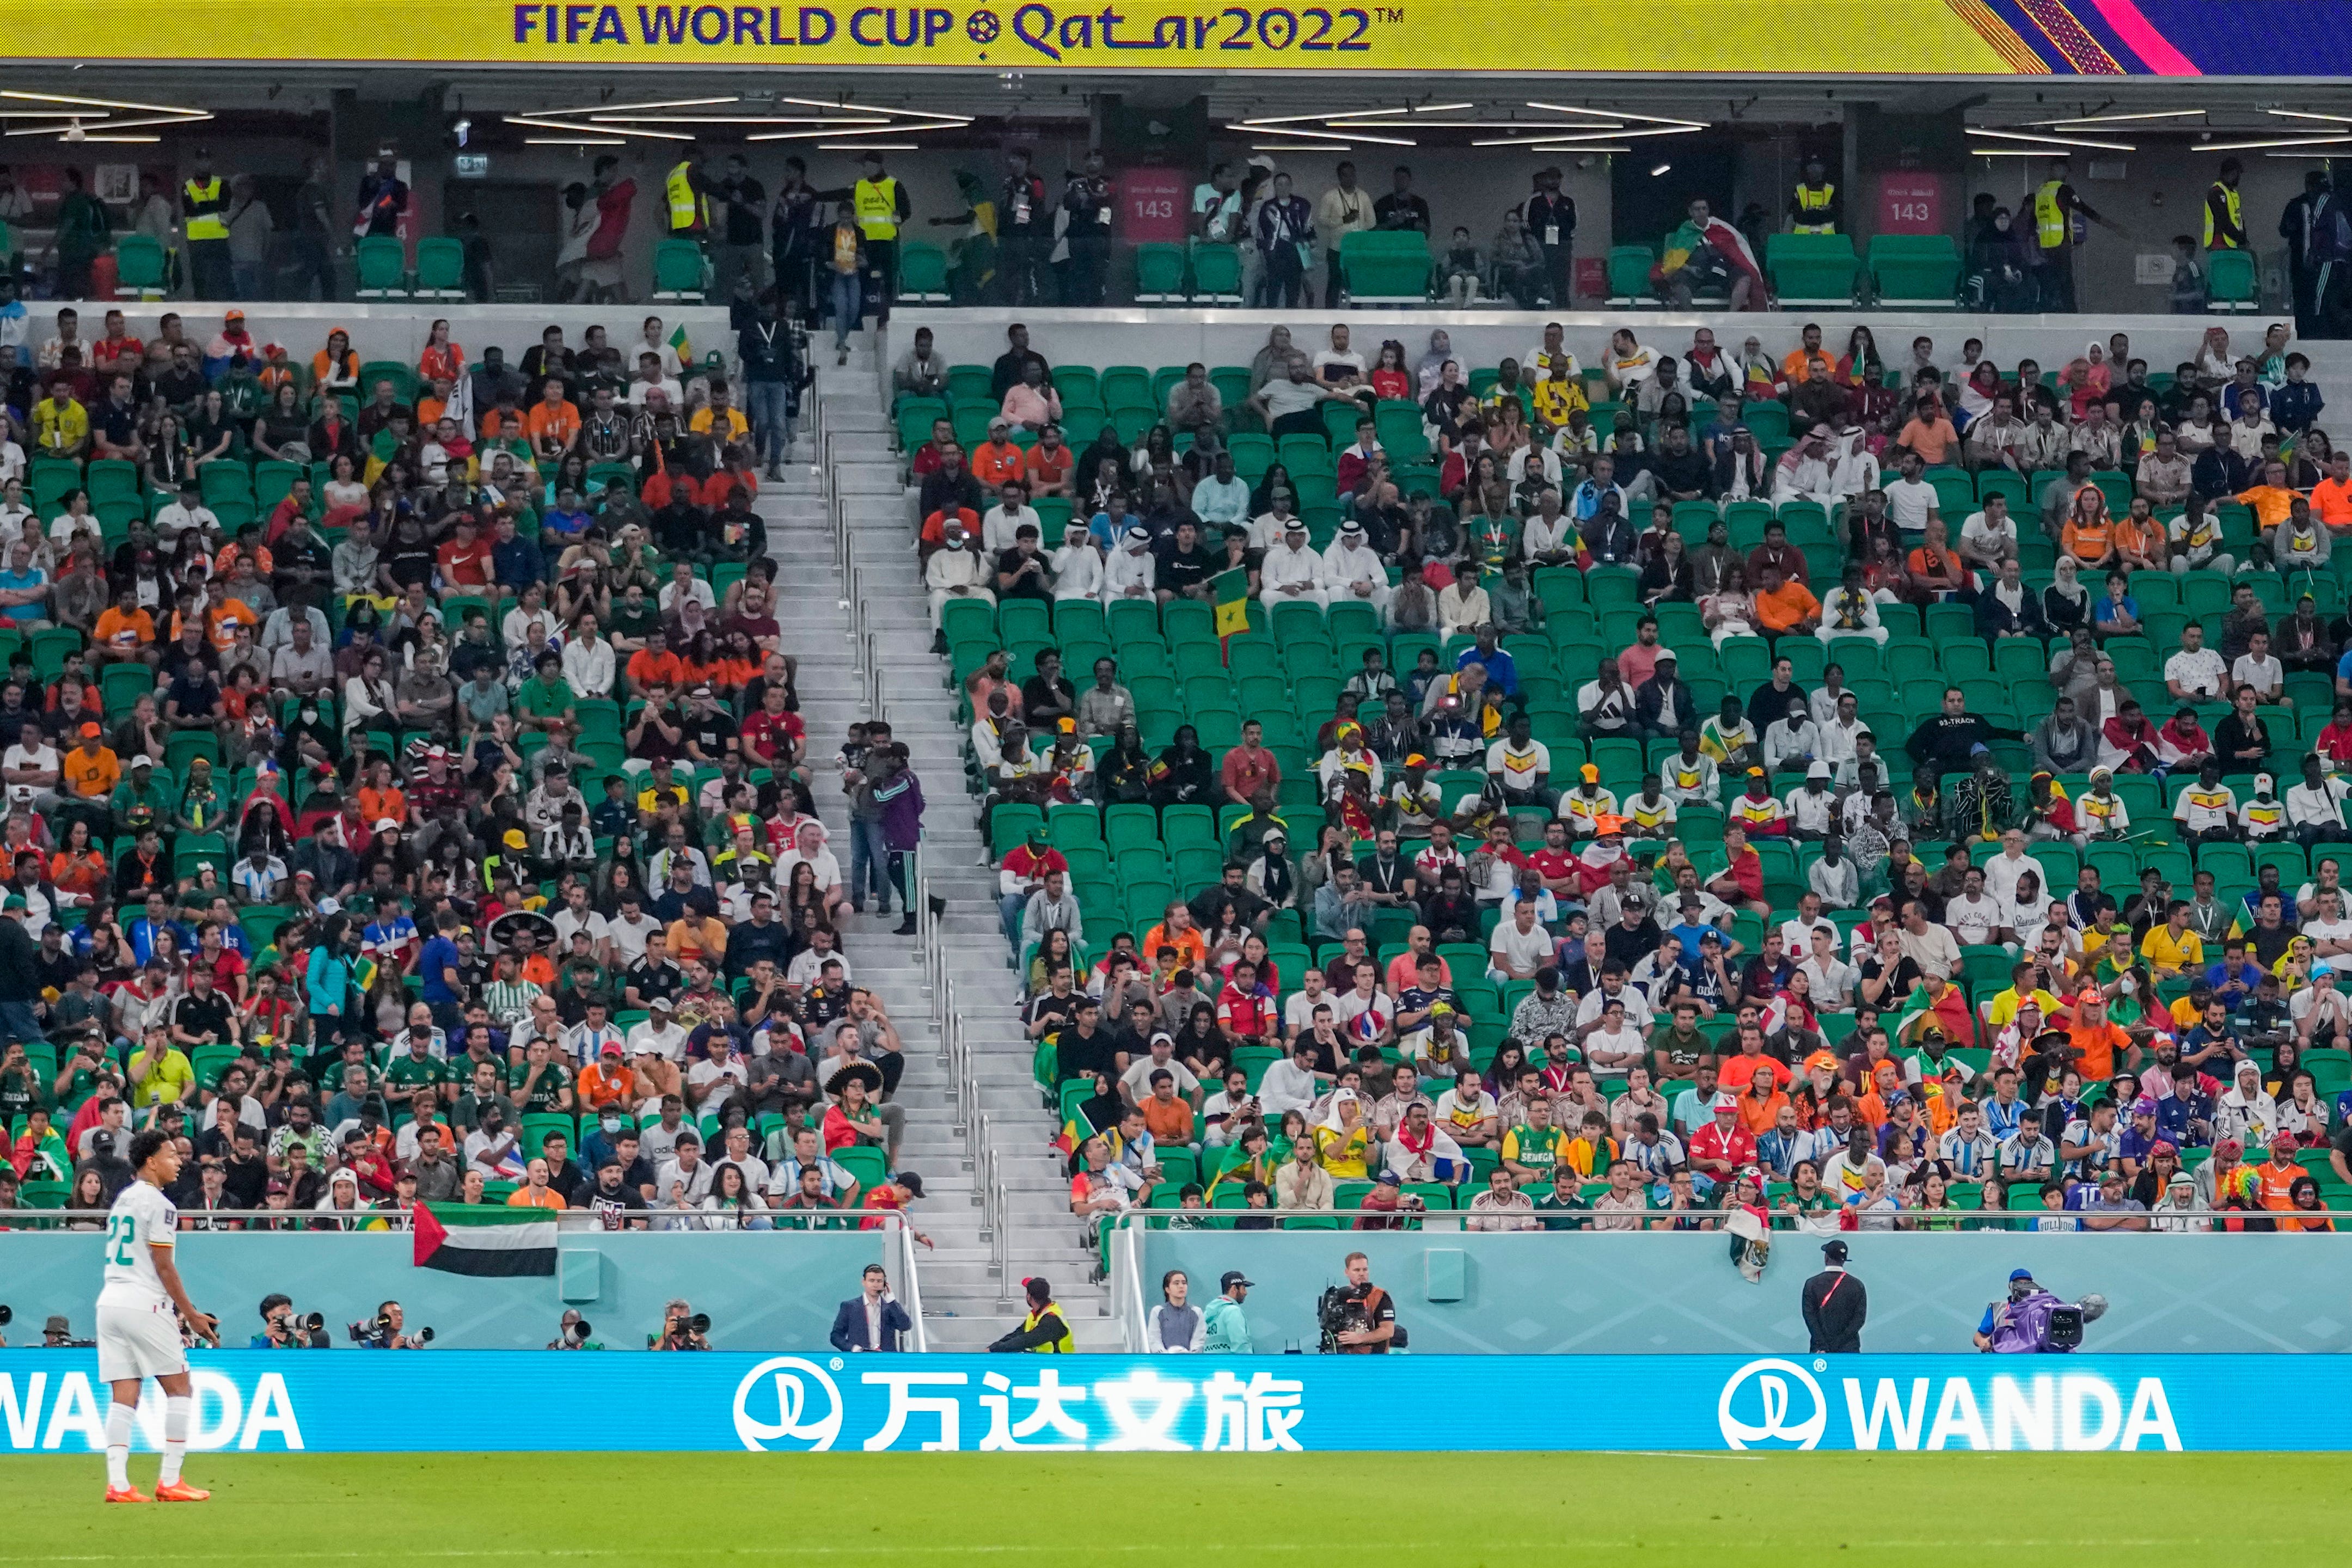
737	426
60	427
167	1080
2002	1010
2165	951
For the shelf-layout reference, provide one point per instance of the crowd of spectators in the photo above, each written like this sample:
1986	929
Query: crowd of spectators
407	797
1913	1013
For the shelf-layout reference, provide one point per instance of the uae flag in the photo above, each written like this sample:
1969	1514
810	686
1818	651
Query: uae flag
489	1242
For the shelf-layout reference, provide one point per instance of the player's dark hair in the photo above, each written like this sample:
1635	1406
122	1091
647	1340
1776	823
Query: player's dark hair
143	1145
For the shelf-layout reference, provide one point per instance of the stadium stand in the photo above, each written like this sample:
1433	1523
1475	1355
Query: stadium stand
1288	660
405	743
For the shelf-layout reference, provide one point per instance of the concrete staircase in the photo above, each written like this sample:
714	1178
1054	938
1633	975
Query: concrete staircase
996	1202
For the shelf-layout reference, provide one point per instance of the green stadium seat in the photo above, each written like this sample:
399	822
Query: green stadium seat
677	271
2233	285
1920	270
1808	270
383	262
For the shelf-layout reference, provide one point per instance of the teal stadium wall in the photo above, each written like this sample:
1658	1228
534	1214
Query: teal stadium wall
762	1290
1593	1293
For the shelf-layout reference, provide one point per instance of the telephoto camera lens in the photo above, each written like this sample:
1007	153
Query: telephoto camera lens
580	1330
699	1322
7	1314
315	1322
425	1336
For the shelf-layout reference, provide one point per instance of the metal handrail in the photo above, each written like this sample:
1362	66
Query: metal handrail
911	1284
660	1221
1003	1248
1783	1223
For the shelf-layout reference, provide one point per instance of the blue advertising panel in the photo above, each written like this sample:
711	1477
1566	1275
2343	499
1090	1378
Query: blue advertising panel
263	1402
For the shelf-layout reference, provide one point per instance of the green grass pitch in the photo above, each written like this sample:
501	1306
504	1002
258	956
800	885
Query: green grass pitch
1454	1509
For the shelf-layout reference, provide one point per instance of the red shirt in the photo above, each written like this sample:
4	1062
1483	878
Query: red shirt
766	733
1244	775
1746	869
1248	1013
1553	865
466	564
1028	866
1712	1142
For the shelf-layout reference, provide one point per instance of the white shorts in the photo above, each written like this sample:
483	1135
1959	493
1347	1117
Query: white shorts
139	1342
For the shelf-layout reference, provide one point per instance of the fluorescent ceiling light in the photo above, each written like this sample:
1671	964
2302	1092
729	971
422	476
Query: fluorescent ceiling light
1617	114
98	138
2300	114
1453	125
1301	119
47	114
869	147
2115	118
1302	147
598	130
102	124
101	103
630	108
2015	152
1578	134
1325	135
574	142
2274	142
870	108
814	135
1580	148
1443	108
737	120
2309	157
2059	141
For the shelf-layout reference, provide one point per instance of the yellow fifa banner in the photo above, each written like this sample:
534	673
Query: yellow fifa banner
1814	37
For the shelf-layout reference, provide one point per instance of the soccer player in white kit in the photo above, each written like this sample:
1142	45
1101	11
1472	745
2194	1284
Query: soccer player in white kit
140	1311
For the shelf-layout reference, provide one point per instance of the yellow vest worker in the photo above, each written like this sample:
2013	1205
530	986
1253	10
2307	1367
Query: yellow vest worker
1815	208
876	202
2225	227
1044	1330
690	209
203	203
2048	217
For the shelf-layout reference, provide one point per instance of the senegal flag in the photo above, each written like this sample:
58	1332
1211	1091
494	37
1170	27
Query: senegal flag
685	347
1233	603
461	1238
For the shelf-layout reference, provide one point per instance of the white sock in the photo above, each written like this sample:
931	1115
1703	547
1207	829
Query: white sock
118	1446
179	1413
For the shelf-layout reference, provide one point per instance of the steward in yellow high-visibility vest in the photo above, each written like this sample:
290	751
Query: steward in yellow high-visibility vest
881	205
1044	1330
688	198
204	208
2056	208
2225	214
1815	207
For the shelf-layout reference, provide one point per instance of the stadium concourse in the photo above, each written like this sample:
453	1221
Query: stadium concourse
1924	729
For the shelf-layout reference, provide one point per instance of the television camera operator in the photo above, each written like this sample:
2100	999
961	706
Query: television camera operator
388	1331
1358	1317
2033	1321
282	1330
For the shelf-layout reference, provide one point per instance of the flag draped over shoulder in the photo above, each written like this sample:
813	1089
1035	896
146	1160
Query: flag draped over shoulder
459	1238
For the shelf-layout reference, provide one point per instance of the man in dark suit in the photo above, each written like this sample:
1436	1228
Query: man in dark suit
1834	1303
872	1321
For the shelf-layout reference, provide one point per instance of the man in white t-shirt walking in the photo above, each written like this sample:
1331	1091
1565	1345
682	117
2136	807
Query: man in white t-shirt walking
140	1310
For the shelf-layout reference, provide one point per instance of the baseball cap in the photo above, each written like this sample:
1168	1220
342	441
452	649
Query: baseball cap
1590	774
90	731
2017	1274
612	1049
1389	1179
385	825
1725	1102
1231	1278
660	1004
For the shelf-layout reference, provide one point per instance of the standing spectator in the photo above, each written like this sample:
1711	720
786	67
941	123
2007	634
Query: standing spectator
1346	208
1285	237
1087	203
1551	220
737	249
204	207
384	198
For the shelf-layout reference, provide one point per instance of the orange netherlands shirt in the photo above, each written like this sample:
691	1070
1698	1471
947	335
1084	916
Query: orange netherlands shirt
1786	605
2098	1044
2270	503
563	421
2333	503
992	463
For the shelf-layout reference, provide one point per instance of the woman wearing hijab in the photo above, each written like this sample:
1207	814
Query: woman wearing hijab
2065	603
1271	876
1430	371
1096	1116
1272	361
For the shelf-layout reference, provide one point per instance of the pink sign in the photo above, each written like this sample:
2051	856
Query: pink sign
1152	205
1910	202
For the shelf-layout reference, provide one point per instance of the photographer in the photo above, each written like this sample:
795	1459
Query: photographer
282	1330
386	1333
2032	1321
1359	1318
573	1334
683	1329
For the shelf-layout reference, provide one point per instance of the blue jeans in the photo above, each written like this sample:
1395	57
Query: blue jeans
869	861
771	427
848	306
1010	910
18	1023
